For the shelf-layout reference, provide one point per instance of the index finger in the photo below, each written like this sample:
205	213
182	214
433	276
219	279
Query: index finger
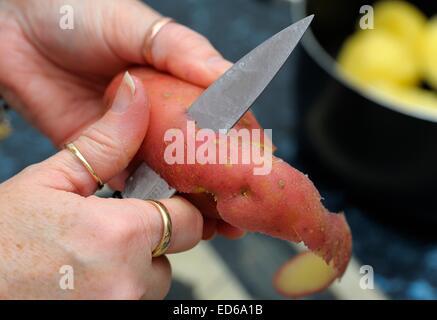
187	55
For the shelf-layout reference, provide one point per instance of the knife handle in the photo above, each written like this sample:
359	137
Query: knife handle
117	195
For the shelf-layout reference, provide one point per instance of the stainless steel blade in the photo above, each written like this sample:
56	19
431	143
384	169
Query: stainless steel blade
229	98
147	184
226	100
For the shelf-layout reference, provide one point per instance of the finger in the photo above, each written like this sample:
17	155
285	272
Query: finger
187	224
108	145
175	49
228	231
188	55
209	228
212	222
158	281
142	222
119	181
205	202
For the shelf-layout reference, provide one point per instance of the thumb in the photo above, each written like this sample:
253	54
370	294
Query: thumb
108	145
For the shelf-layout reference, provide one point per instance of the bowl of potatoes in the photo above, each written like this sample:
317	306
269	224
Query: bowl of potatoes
367	101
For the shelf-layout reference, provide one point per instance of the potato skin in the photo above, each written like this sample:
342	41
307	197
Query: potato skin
283	204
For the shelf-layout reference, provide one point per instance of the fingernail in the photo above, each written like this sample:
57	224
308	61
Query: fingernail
218	64
125	94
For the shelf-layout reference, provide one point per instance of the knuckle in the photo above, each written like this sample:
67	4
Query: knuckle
113	234
119	233
139	217
194	41
113	231
103	144
31	170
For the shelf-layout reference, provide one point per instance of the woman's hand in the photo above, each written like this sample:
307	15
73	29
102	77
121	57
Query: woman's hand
56	78
50	223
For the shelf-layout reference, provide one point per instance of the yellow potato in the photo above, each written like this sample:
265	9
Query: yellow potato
392	60
401	19
373	56
429	53
411	97
418	98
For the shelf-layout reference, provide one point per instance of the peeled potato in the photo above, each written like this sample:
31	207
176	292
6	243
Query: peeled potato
303	275
429	53
412	96
393	59
419	97
372	56
401	19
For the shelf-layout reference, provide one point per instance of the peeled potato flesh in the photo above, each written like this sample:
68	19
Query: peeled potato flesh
401	19
409	96
372	56
303	275
429	53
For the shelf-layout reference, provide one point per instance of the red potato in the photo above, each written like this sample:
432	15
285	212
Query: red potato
283	204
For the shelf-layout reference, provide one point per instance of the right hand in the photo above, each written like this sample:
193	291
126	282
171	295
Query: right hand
49	219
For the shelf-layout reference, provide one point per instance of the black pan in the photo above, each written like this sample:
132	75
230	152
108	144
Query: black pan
384	157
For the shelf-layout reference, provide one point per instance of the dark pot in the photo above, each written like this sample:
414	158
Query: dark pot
382	156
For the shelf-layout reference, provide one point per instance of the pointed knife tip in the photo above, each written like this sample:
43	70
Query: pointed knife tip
308	19
302	25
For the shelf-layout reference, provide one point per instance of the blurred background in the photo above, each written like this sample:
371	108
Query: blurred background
368	143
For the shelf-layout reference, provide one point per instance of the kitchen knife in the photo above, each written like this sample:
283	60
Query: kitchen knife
226	101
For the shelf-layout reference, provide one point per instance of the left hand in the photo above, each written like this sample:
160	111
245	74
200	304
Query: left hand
56	78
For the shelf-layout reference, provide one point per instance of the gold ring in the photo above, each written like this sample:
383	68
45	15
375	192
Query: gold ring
164	243
75	151
151	34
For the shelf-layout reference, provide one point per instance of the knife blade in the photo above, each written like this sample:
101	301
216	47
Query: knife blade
222	105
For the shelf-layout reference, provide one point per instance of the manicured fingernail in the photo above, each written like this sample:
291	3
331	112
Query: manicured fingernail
218	64
125	94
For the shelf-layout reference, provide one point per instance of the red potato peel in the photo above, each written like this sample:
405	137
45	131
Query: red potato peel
283	204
